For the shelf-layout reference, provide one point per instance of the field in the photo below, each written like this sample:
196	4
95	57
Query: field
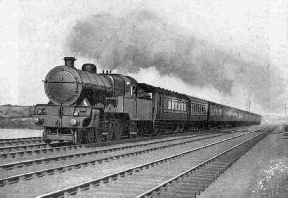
16	117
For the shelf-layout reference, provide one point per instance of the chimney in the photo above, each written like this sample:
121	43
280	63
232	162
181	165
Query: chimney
69	61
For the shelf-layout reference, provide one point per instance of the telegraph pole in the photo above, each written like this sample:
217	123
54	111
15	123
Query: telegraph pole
249	107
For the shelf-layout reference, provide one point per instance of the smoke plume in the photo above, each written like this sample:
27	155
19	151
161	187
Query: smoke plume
142	39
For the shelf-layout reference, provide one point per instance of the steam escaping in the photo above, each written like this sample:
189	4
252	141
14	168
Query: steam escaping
141	40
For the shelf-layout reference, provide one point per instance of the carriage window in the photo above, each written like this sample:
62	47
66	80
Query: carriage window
205	109
169	104
175	104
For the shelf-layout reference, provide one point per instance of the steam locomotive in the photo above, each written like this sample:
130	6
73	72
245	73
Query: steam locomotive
86	107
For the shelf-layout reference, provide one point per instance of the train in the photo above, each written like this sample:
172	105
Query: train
89	107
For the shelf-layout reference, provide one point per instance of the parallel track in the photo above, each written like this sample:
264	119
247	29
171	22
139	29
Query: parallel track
20	142
44	150
20	139
46	160
12	152
41	173
191	182
131	171
23	147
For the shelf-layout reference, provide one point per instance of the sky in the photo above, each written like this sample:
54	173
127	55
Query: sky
227	51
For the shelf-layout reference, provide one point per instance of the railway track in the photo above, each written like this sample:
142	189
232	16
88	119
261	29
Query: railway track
20	151
23	147
21	141
36	161
152	173
87	165
192	181
29	175
40	151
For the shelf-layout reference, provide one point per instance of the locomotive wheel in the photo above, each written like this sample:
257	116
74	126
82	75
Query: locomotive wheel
88	136
140	130
92	135
177	129
47	141
97	134
110	131
118	128
156	132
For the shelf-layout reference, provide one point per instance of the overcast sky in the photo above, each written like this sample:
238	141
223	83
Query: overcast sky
236	51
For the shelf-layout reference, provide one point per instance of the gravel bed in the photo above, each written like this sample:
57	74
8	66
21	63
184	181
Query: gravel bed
261	172
73	177
18	158
54	164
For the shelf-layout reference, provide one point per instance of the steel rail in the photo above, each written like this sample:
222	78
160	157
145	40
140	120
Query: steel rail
11	143
23	147
38	151
207	172
41	173
20	139
111	177
123	141
45	150
21	164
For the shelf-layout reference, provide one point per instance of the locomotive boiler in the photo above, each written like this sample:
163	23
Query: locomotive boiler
82	104
86	107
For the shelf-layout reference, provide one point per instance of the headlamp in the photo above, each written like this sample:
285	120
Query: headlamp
38	120
74	122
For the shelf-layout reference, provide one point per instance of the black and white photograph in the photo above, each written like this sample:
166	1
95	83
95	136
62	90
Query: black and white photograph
144	98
